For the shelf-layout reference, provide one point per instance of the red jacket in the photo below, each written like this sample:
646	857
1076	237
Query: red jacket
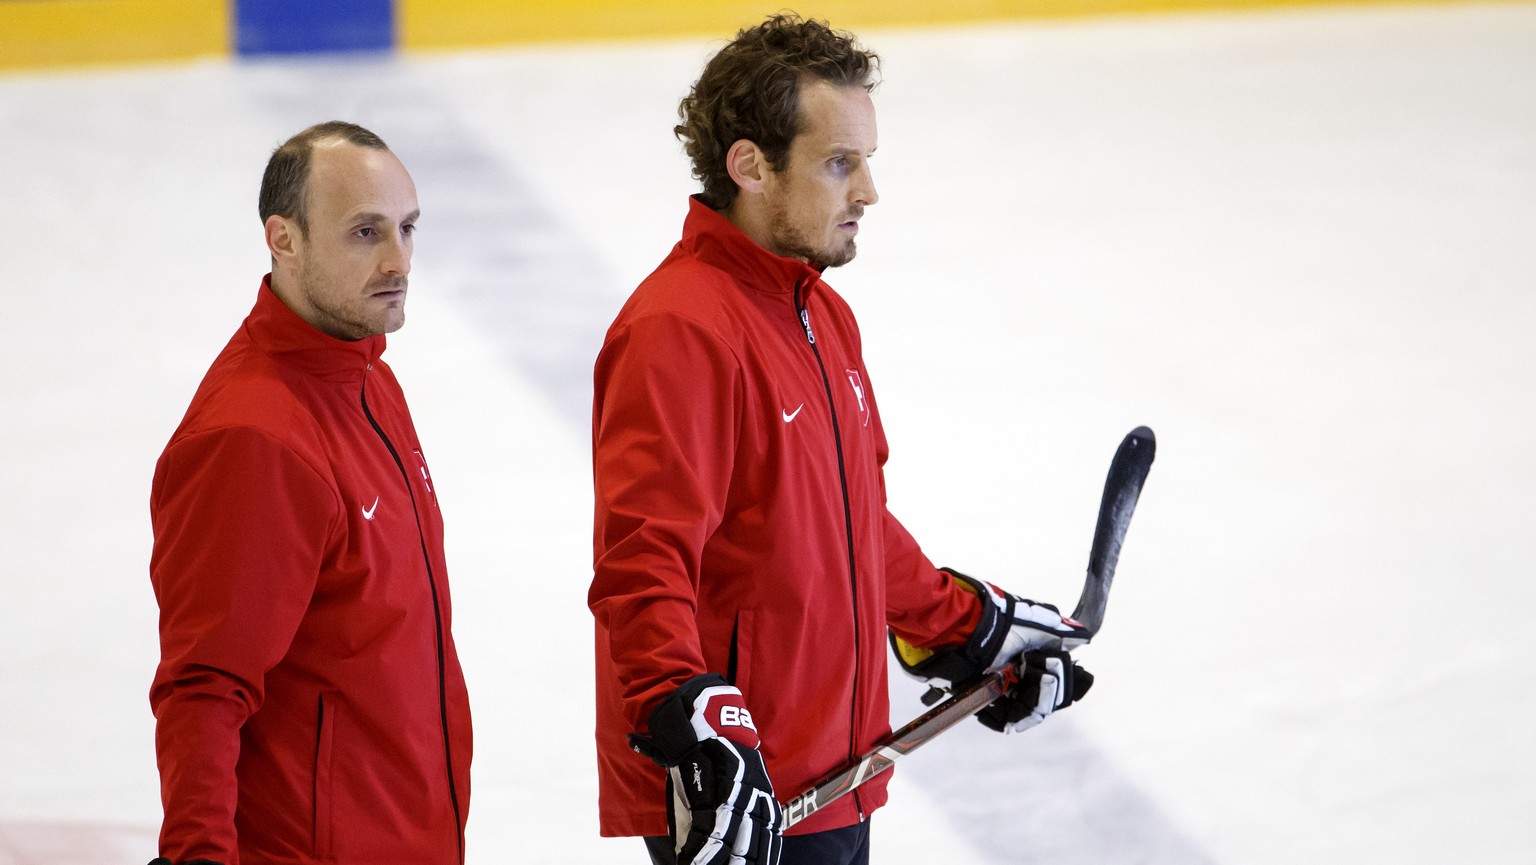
309	701
741	525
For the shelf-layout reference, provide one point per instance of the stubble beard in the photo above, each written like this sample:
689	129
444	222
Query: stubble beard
792	241
350	317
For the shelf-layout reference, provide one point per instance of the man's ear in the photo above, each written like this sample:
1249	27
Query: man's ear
747	166
283	238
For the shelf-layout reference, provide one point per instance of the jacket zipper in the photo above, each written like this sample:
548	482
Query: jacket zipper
804	315
437	616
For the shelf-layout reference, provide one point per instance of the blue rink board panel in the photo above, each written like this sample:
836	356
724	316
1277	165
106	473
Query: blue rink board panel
313	26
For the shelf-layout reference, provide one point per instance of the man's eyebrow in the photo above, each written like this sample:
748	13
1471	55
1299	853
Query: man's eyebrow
850	150
370	216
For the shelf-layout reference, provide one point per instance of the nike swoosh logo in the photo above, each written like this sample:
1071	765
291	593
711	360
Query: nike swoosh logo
368	512
790	415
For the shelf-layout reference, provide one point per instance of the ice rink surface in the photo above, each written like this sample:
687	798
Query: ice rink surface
1301	245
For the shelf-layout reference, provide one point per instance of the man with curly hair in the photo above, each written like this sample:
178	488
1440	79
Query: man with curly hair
746	569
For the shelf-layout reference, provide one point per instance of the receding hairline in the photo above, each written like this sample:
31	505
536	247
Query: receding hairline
337	148
285	181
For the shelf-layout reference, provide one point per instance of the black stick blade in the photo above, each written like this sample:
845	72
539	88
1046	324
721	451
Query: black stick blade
1127	472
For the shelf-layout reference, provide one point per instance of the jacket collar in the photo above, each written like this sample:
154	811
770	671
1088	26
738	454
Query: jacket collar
717	241
280	332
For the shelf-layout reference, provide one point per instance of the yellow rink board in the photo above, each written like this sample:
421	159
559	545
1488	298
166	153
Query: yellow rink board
51	33
438	24
44	33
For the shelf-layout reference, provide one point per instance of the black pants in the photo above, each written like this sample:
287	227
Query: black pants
846	846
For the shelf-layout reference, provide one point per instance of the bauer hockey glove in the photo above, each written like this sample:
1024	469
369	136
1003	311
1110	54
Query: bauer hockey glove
1048	680
721	809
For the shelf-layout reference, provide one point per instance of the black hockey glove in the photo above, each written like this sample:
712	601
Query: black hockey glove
1048	680
721	809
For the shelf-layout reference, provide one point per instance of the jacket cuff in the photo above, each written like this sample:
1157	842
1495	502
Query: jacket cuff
955	664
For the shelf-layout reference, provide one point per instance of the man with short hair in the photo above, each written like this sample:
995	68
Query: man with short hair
746	569
309	703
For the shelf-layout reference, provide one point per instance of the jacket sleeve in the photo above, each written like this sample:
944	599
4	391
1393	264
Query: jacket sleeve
924	605
240	526
665	422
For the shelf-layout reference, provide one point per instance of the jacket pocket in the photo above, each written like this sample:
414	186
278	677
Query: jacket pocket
739	666
325	735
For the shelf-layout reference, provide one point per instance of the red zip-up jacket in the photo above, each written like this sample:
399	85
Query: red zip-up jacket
741	524
309	702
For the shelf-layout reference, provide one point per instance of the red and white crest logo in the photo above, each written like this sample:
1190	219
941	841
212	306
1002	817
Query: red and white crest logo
426	477
857	384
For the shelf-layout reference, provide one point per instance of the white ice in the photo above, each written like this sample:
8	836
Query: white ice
1301	245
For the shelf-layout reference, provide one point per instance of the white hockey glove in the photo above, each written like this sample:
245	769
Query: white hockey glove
721	809
1009	627
1009	631
1048	680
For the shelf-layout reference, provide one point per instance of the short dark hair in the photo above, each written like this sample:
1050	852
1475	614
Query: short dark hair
285	183
751	90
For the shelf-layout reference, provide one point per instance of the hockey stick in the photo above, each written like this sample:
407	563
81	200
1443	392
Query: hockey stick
1127	472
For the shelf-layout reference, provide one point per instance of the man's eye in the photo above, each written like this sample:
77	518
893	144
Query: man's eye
408	229
364	232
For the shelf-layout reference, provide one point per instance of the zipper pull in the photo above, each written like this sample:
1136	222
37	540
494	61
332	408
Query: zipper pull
805	314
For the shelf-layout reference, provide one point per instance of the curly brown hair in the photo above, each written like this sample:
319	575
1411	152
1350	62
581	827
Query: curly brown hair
751	90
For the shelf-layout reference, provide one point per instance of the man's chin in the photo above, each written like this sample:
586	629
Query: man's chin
838	258
377	323
391	321
388	314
